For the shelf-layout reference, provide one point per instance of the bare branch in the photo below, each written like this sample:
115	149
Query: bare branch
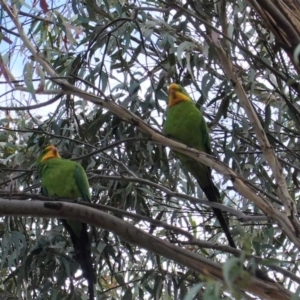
267	149
241	216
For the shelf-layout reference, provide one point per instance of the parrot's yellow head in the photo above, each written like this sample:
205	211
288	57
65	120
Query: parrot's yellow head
177	94
49	152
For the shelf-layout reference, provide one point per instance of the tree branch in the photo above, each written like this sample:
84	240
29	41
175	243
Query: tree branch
133	235
240	215
267	149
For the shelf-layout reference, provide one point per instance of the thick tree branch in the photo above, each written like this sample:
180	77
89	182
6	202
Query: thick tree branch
136	236
191	240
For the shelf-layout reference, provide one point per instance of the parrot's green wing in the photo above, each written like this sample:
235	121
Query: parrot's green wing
82	182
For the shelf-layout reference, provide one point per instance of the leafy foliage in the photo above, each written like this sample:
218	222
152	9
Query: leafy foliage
127	53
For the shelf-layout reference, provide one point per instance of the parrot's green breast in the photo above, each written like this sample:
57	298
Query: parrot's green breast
64	178
186	124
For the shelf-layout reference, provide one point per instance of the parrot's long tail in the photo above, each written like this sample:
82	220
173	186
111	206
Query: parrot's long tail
83	255
213	195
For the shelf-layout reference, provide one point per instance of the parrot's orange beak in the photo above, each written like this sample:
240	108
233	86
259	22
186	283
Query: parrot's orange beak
172	92
55	151
51	152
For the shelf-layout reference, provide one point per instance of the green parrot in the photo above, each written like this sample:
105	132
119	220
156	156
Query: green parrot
185	123
63	178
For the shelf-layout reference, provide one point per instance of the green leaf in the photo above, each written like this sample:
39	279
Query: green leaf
28	76
193	291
